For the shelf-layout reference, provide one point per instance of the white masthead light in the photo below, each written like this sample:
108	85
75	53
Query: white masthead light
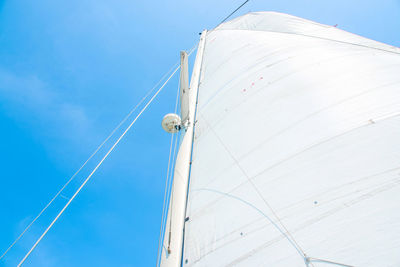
171	123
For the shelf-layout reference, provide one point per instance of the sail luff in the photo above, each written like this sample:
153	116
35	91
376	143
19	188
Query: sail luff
174	231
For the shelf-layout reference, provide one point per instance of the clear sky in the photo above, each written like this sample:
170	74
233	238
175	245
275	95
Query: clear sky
69	72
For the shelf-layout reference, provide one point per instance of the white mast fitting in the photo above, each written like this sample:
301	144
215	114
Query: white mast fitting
171	122
171	254
184	90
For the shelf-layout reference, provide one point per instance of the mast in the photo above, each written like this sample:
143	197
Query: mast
171	255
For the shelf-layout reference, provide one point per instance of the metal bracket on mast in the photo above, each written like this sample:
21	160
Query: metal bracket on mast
184	87
171	122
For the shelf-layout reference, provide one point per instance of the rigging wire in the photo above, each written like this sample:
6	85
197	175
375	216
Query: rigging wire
167	182
84	164
259	211
233	12
165	196
171	191
97	166
309	260
288	234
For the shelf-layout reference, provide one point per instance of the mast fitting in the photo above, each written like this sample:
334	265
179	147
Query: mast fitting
171	123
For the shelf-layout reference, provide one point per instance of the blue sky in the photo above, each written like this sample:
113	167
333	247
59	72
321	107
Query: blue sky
69	72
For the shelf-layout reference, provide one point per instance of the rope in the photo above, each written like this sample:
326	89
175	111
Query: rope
309	260
232	13
171	177
84	164
170	193
287	234
259	211
165	196
97	166
167	182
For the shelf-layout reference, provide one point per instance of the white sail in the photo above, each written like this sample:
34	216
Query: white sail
296	150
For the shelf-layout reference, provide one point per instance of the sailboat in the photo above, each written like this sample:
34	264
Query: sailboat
290	148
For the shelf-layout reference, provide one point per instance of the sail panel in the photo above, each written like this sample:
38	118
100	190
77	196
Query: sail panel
294	133
284	23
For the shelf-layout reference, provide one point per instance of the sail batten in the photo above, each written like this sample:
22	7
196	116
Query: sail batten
295	147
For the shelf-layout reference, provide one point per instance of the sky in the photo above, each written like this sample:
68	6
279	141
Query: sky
69	72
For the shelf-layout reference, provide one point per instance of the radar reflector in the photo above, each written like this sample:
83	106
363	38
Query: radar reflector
171	123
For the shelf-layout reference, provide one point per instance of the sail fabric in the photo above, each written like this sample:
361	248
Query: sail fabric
296	151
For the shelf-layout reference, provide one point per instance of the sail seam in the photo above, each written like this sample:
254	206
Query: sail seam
298	249
321	38
287	234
